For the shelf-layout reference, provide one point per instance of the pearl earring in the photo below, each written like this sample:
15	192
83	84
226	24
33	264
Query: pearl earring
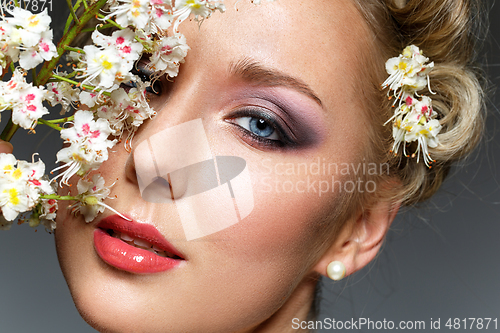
335	270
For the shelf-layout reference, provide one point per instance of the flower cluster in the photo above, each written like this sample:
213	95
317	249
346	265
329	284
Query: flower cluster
414	119
25	100
111	59
88	146
21	185
91	194
25	37
111	79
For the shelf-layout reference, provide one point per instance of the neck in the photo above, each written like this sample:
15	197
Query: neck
298	307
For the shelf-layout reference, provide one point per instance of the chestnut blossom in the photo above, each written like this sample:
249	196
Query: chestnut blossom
32	56
126	111
123	41
88	146
408	73
415	121
62	93
201	9
26	37
109	63
91	194
105	68
23	99
26	41
145	15
168	54
48	212
21	184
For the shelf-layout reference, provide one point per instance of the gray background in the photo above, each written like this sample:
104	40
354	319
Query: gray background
440	261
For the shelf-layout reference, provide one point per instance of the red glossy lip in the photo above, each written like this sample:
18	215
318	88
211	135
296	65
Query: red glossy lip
121	255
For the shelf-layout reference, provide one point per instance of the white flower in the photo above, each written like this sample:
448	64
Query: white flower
13	199
161	17
131	12
91	98
408	73
62	93
29	22
10	91
145	15
201	9
415	121
26	37
168	54
34	55
126	111
88	147
8	46
31	25
91	195
48	214
21	185
123	41
105	67
29	107
23	99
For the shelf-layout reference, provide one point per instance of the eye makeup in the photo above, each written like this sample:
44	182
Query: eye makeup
297	120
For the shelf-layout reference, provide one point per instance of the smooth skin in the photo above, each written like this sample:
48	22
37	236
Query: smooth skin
259	274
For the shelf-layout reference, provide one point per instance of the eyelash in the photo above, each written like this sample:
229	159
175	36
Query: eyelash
284	140
140	70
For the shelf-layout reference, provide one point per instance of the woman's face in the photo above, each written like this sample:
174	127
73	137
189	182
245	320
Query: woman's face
306	63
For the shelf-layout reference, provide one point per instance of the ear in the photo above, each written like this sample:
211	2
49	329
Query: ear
360	239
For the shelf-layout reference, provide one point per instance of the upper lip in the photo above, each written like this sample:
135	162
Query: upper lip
138	230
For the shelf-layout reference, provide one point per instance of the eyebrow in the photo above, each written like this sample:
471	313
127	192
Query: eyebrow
256	73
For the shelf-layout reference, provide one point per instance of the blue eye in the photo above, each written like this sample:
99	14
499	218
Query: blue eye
260	127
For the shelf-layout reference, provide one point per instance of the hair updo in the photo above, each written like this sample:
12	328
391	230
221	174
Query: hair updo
447	32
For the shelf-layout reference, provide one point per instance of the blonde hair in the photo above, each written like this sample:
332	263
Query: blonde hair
447	32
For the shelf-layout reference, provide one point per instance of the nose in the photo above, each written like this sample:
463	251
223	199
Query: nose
172	163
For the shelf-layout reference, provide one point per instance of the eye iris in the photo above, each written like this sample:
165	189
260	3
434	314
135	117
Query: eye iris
260	127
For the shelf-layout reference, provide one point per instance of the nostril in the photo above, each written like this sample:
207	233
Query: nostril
158	191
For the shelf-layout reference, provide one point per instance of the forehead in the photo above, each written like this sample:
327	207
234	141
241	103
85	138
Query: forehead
319	42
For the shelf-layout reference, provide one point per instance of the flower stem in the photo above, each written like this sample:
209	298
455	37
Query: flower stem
5	71
33	74
74	49
61	120
99	27
9	131
58	197
113	23
68	21
76	83
72	10
51	125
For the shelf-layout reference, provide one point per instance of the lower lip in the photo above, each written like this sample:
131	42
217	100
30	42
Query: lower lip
121	255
